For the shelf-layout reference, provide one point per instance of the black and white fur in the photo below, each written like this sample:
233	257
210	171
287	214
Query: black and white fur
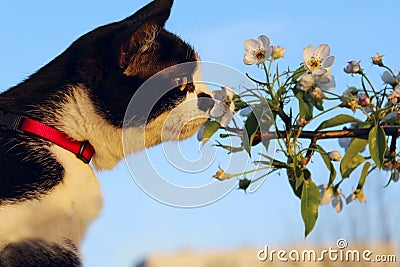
48	197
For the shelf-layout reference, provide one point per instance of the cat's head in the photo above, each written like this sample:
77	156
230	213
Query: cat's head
115	60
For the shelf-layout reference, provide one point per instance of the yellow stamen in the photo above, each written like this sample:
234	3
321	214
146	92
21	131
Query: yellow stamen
314	63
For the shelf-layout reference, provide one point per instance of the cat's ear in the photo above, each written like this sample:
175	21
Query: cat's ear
157	11
137	35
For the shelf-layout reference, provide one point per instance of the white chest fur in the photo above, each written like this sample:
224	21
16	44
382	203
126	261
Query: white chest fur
65	212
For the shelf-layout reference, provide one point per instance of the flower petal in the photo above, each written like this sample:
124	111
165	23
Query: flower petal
261	61
226	119
249	58
337	203
251	45
387	77
308	52
319	72
218	110
219	95
326	194
268	52
330	85
200	133
328	62
344	142
263	41
228	91
322	50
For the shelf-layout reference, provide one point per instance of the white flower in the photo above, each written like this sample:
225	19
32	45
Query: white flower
308	82
334	155
331	194
224	106
257	51
318	61
395	96
278	52
353	67
388	78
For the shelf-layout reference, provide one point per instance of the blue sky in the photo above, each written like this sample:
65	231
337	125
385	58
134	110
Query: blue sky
133	225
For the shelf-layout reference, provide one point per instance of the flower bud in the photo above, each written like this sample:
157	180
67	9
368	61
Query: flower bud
353	67
363	100
334	155
278	52
306	82
301	122
377	60
317	93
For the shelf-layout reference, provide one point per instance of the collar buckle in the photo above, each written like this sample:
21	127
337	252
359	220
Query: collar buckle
81	151
10	121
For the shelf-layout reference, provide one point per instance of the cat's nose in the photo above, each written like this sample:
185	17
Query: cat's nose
206	102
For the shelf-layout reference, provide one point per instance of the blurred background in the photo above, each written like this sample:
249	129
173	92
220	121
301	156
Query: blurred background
134	228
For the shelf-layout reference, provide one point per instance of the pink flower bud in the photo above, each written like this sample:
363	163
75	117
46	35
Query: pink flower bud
301	122
363	100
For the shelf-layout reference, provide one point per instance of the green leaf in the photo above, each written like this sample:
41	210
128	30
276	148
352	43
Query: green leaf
336	121
364	174
294	174
305	108
297	73
310	199
319	104
251	126
299	178
329	164
352	159
377	145
210	127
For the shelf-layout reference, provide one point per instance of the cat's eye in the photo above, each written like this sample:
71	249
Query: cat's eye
181	82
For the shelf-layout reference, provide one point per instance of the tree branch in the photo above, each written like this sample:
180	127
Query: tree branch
317	135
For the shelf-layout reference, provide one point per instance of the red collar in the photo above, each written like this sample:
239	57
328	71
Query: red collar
12	122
